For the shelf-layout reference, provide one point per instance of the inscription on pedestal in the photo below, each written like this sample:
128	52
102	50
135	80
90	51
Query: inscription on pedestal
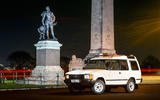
48	57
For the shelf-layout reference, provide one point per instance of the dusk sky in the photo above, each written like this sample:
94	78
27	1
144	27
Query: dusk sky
137	26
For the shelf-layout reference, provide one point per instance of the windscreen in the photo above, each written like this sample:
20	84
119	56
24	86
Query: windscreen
95	64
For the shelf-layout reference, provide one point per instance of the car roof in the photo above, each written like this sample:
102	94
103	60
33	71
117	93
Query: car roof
118	57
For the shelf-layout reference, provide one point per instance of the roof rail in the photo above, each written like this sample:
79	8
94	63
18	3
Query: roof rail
131	56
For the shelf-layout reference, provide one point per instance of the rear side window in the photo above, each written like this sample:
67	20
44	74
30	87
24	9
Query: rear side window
123	64
114	65
134	65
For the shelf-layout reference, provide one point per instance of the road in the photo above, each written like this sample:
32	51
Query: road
145	92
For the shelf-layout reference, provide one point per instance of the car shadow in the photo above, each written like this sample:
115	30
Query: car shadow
82	93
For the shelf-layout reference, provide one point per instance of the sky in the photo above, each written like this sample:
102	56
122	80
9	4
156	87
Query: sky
137	26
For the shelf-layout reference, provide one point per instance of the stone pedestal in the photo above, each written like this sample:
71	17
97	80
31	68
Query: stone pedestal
102	28
48	70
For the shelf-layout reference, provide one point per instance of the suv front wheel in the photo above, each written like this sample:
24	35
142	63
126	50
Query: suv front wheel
130	87
98	87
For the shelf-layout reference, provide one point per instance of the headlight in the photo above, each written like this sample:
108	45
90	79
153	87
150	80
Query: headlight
67	76
88	76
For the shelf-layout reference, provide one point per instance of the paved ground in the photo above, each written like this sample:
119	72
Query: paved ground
145	92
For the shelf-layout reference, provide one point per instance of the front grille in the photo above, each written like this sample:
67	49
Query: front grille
76	76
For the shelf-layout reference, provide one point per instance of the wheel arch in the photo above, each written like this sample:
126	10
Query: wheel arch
132	78
101	78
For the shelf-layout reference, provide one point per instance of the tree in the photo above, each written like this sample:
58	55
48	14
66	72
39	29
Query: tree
21	60
151	62
64	61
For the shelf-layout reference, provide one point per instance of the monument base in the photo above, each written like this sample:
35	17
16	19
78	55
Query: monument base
47	75
48	70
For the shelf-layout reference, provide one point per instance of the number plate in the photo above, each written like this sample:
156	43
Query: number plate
75	81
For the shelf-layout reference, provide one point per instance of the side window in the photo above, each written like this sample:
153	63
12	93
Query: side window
100	63
134	65
107	65
123	64
114	65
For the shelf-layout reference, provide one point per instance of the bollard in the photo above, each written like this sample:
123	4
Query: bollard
1	78
28	84
57	79
40	80
13	78
24	79
16	77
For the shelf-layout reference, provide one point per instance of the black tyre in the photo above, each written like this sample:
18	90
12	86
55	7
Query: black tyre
108	89
130	87
98	87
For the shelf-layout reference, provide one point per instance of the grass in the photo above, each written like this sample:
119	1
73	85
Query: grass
10	84
16	86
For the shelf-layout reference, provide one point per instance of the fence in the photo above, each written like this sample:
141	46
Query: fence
21	79
9	79
14	75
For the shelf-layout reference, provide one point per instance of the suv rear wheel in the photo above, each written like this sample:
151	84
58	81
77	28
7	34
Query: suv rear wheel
98	87
130	87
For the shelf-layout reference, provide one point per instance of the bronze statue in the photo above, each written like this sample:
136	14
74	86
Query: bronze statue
48	22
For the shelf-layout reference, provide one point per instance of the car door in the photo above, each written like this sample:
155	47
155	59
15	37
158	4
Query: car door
124	72
135	70
117	72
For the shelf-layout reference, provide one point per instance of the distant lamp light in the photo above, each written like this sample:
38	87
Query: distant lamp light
105	54
100	54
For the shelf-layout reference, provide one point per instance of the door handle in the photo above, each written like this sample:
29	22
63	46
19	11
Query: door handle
120	73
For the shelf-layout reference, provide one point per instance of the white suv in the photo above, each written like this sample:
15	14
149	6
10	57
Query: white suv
105	72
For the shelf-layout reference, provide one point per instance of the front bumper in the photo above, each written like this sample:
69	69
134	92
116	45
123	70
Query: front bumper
81	83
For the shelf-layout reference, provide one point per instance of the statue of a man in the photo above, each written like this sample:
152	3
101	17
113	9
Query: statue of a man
48	21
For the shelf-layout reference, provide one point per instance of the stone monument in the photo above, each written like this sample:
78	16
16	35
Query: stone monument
102	28
48	68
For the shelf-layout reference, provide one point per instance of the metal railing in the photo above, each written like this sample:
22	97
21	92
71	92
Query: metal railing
23	78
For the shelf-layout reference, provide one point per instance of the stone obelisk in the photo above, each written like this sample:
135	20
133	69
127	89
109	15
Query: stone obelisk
102	28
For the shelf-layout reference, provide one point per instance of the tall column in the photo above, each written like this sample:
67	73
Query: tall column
96	26
108	27
102	28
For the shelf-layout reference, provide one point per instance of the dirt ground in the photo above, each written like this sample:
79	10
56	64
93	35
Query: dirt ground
145	92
